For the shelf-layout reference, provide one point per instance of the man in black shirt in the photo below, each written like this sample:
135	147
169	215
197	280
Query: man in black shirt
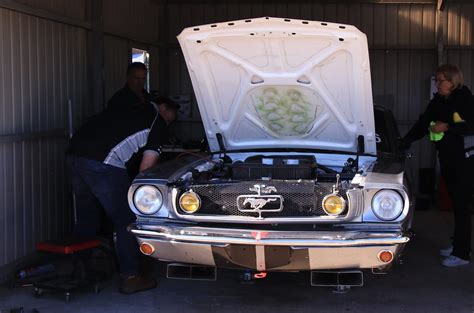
99	154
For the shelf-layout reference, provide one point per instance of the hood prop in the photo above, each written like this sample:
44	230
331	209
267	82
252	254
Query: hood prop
335	187
360	149
222	150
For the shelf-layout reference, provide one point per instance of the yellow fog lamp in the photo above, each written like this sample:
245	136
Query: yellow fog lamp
189	202
333	204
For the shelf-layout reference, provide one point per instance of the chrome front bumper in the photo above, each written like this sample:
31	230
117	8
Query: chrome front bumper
269	250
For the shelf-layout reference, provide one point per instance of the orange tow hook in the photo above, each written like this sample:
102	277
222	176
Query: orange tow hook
260	275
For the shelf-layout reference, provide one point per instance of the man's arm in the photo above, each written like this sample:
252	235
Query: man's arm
150	158
156	138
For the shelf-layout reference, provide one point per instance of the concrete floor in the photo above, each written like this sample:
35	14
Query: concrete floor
421	284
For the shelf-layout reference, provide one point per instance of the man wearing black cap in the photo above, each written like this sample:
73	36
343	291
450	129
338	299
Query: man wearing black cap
132	125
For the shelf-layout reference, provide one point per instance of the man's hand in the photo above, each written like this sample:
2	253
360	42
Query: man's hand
149	159
439	127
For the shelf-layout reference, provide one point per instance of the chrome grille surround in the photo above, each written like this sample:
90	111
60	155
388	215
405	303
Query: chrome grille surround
301	201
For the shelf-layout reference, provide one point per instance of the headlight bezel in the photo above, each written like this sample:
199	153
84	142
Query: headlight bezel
137	205
394	217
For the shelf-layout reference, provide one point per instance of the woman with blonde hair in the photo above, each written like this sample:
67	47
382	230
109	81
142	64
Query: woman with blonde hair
449	120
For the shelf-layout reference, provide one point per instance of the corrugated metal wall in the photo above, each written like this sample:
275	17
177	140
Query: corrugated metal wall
459	38
141	31
117	56
43	63
141	19
402	42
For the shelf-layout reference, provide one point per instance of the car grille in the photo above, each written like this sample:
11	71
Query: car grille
300	198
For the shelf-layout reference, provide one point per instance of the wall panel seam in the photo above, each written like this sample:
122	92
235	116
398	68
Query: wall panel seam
9	138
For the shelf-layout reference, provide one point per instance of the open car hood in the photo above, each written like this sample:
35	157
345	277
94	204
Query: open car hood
281	83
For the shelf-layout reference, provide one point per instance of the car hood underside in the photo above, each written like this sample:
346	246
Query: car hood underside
273	82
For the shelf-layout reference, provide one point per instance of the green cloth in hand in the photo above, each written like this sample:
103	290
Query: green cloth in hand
435	136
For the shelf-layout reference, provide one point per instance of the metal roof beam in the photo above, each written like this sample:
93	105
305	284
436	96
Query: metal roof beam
441	4
30	10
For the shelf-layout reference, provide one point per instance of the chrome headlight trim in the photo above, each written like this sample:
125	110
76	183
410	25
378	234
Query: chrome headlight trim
387	204
148	199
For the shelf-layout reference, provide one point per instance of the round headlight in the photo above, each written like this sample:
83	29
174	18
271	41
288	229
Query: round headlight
333	204
189	202
387	205
148	199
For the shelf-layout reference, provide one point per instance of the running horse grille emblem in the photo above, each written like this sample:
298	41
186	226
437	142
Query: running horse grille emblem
261	202
258	203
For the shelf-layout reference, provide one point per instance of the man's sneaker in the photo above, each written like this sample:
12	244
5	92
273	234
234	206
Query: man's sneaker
453	261
446	251
135	283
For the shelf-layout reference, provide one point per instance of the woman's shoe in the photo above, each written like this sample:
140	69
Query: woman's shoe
446	251
454	261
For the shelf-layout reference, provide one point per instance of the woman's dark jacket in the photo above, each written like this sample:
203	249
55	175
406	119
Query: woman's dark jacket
442	109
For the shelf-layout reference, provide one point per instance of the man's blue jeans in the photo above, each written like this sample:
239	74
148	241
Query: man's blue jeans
97	185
